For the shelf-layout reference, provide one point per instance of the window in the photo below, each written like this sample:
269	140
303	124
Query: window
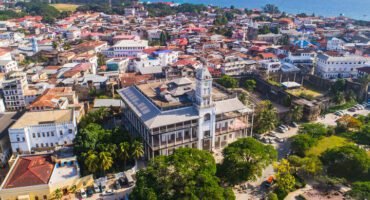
38	134
33	135
51	144
52	133
207	117
207	133
23	139
69	131
18	139
36	198
42	144
47	144
37	145
45	197
43	134
47	134
61	132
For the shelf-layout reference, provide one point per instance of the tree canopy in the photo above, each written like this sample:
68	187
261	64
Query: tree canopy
245	159
186	174
350	162
228	81
266	117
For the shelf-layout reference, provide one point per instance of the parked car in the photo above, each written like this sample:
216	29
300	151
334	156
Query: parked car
89	191
96	188
272	134
280	140
294	124
117	185
83	193
107	192
353	109
123	181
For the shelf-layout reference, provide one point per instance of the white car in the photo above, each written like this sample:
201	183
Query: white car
107	192
83	193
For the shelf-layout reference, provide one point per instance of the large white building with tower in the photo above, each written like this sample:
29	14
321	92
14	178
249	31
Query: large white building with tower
185	112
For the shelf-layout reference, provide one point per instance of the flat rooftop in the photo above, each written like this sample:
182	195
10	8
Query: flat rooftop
149	90
43	117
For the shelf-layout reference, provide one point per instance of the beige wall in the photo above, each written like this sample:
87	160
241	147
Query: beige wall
41	190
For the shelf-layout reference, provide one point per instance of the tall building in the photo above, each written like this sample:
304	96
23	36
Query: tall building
14	91
184	112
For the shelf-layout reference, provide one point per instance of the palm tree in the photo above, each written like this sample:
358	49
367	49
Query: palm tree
106	160
124	152
58	194
296	113
91	161
137	151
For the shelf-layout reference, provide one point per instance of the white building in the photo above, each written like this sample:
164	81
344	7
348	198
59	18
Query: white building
159	58
8	66
184	113
235	66
154	34
39	131
126	48
14	91
339	66
270	65
335	44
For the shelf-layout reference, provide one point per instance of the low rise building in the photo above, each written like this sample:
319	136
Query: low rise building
341	66
45	130
126	48
39	176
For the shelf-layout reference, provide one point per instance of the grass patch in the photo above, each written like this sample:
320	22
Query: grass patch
272	82
341	107
304	93
65	7
327	143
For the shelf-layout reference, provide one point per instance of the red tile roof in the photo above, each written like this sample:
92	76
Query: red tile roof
29	171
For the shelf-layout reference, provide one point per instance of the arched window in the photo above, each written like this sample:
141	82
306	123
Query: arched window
207	117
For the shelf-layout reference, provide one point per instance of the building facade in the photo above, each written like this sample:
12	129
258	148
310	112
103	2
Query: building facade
126	48
339	66
40	131
194	114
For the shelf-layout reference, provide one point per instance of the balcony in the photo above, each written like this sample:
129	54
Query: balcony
236	126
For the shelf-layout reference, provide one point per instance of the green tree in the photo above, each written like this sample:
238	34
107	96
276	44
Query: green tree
266	118
315	130
272	196
101	59
301	143
307	166
186	174
228	81
124	152
350	162
137	151
58	194
296	112
245	159
163	39
264	30
105	161
285	181
250	84
360	190
270	8
91	162
242	98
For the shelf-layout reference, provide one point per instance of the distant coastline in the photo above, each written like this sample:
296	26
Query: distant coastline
356	9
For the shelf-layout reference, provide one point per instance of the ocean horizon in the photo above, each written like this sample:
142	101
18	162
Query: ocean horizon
357	9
